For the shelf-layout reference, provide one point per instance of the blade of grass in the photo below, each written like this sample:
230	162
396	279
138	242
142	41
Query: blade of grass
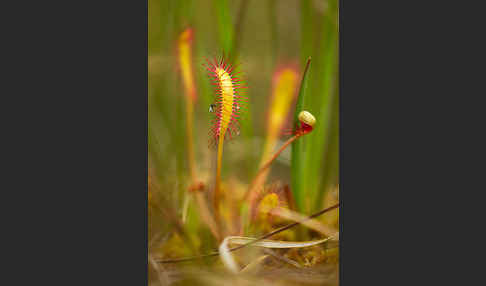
238	32
253	241
272	18
323	89
230	41
307	28
162	276
184	13
298	167
229	262
254	265
247	131
204	27
225	25
330	172
234	53
282	258
310	223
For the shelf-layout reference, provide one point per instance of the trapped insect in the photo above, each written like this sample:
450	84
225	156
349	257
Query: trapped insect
212	107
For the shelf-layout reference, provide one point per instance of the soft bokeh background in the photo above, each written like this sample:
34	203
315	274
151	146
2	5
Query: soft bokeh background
262	35
272	33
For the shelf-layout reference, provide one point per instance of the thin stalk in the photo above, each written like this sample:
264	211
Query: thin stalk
238	29
217	188
252	193
225	25
200	198
190	145
169	212
206	215
195	185
273	28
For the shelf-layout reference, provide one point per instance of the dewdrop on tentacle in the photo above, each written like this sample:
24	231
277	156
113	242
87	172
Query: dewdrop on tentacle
227	105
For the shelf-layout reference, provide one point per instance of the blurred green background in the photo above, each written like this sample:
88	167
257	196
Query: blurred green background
261	34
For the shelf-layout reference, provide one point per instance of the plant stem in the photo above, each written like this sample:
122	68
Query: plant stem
252	193
200	198
206	215
238	29
217	188
287	143
190	147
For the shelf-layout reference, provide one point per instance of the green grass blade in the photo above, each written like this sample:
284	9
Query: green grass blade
272	20
330	171
298	169
318	164
238	30
307	27
225	25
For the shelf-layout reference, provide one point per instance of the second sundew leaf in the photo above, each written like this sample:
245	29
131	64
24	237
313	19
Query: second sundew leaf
298	166
184	54
285	81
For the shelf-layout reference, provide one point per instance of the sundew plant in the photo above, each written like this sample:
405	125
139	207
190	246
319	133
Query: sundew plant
243	142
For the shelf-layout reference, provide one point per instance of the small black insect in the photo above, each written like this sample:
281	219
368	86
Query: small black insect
212	106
